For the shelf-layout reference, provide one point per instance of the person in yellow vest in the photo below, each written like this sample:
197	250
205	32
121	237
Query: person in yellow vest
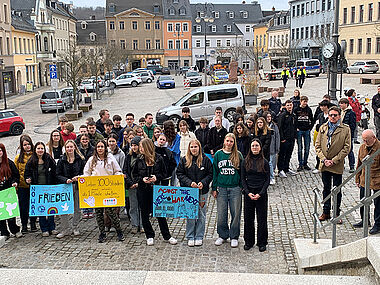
285	74
301	76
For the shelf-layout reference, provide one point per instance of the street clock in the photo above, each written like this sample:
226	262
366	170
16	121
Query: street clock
330	50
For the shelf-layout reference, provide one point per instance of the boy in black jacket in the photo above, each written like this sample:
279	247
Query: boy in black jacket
186	117
202	132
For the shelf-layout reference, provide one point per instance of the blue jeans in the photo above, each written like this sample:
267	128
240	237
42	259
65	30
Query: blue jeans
272	164
229	198
47	223
134	209
351	156
195	228
306	138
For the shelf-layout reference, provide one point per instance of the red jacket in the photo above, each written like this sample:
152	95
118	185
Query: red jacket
356	107
70	136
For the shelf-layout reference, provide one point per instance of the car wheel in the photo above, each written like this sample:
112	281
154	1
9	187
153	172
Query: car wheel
229	114
375	72
200	83
43	111
16	129
348	71
134	83
149	80
175	119
360	71
317	75
113	85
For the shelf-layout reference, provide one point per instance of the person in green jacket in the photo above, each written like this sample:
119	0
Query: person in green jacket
285	74
226	188
149	126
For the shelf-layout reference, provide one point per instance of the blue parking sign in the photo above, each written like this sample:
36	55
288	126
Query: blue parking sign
53	71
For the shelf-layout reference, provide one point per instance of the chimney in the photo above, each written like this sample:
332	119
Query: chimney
243	2
273	9
92	17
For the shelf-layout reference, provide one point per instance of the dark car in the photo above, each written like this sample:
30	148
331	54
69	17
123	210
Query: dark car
11	122
156	69
165	81
165	71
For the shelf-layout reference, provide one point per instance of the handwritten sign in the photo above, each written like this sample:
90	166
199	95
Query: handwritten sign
101	191
51	200
9	204
175	202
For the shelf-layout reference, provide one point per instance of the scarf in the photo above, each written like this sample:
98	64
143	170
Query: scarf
330	132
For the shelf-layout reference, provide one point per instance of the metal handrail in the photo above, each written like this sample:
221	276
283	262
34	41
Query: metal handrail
365	202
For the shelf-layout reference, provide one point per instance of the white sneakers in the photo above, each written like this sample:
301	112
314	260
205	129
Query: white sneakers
234	243
172	240
191	242
150	241
316	171
282	174
292	173
19	235
76	233
219	241
198	242
54	232
272	181
60	235
45	234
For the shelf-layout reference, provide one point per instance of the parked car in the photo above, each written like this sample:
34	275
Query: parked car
194	77
165	71
126	79
51	100
11	122
156	69
100	81
109	75
70	92
184	69
203	101
219	77
146	76
88	85
138	70
165	81
312	66
363	67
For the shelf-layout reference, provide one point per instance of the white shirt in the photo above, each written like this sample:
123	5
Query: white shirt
225	123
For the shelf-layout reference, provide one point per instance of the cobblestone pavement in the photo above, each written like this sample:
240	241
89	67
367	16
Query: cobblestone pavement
290	208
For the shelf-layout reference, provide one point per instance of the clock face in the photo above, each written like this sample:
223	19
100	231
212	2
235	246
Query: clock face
328	50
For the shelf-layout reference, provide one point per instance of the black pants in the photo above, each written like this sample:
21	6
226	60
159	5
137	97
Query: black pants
318	161
297	81
284	81
13	227
301	82
376	213
23	200
145	198
260	208
336	179
285	154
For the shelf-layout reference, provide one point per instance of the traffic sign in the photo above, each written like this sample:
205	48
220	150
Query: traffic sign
54	83
53	71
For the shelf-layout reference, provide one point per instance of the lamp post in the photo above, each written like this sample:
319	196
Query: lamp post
178	34
205	15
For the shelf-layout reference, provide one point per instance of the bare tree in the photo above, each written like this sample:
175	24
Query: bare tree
95	60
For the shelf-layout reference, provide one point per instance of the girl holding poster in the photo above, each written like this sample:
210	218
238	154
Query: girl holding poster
55	144
41	170
149	169
102	163
195	170
69	167
9	177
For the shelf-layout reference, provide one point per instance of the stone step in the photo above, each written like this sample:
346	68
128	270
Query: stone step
43	276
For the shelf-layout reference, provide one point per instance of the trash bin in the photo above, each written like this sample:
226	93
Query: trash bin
87	100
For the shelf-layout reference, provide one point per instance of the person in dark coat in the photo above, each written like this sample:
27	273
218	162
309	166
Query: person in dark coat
216	137
195	170
264	134
189	120
10	177
296	99
202	132
85	147
161	147
275	104
243	139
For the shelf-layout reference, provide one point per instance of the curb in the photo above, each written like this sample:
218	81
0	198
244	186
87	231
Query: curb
2	240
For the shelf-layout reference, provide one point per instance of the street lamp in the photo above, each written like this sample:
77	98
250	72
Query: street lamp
205	15
178	34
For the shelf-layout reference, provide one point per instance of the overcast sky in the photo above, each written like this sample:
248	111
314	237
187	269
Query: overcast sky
265	4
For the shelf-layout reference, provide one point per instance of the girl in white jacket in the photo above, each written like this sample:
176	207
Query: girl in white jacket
186	137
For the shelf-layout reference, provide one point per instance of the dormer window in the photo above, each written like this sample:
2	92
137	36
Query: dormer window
84	25
156	8
171	11
112	8
198	28
175	1
229	28
213	28
216	14
245	14
231	14
92	37
182	11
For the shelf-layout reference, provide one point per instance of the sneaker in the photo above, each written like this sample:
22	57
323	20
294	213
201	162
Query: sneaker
220	241
291	172
272	181
19	235
352	170
306	167
134	230
191	242
198	242
85	216
76	233
172	241
90	215
374	230
120	236
282	174
107	229
60	235
33	227
300	168
142	230
356	142
324	217
150	241
45	234
316	171
102	237
262	248
24	230
54	232
234	243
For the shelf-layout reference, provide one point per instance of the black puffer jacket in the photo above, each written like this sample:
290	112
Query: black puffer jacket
88	152
265	141
287	126
215	139
202	135
15	177
129	163
66	170
31	171
195	174
243	144
169	160
141	170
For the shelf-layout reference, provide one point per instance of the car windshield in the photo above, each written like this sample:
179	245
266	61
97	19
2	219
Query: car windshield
371	62
192	74
49	95
165	78
87	82
312	62
181	100
220	73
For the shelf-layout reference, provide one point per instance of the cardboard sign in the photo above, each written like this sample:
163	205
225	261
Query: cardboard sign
101	191
51	200
9	204
175	202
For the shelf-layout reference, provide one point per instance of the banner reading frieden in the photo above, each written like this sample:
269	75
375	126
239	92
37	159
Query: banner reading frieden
51	200
175	202
101	191
9	204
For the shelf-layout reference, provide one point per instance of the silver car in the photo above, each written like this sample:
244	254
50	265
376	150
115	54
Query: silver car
51	100
145	76
363	67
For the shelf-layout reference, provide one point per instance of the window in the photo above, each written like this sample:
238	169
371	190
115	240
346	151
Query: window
328	5
208	43
170	27
121	25
213	28
1	45
360	46
8	46
265	40
307	8
178	27
302	30
345	16
171	11
122	44
361	13
84	25
147	25
228	29
182	11
228	43
293	34
378	45
185	27
158	44
245	14
303	9
369	45
352	15
198	43
297	34
32	46
261	40
306	32
298	10
198	28
92	37
322	31
5	13
378	11
157	25
170	44
222	94
177	44
112	25
312	5
247	43
195	99
247	29
231	14
147	44
156	9
185	44
294	12
323	5
370	12
316	31
216	14
135	44
113	43
46	46
134	25
317	5
351	47
112	8
218	43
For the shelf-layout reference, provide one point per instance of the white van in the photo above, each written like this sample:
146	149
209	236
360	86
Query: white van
203	101
312	66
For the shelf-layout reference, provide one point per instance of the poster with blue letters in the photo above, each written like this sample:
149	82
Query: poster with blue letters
175	202
51	200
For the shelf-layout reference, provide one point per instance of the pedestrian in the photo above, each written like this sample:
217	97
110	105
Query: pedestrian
139	131
225	122
173	139
304	124
103	163
275	105
62	122
68	132
370	145
376	110
41	170
142	122
202	132
288	133
128	135
104	115
349	118
161	148
238	119
195	170
129	164
321	119
264	135
285	76
332	145
251	122
69	168
10	177
265	108
255	177
216	137
366	115
95	136
117	124
297	75
186	136
238	113
129	119
82	130
149	126
296	99
274	145
156	133
226	189
189	120
55	144
149	169
301	75
243	139
356	107
318	110
108	126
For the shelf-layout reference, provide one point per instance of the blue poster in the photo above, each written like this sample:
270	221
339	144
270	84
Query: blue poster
175	202
51	200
